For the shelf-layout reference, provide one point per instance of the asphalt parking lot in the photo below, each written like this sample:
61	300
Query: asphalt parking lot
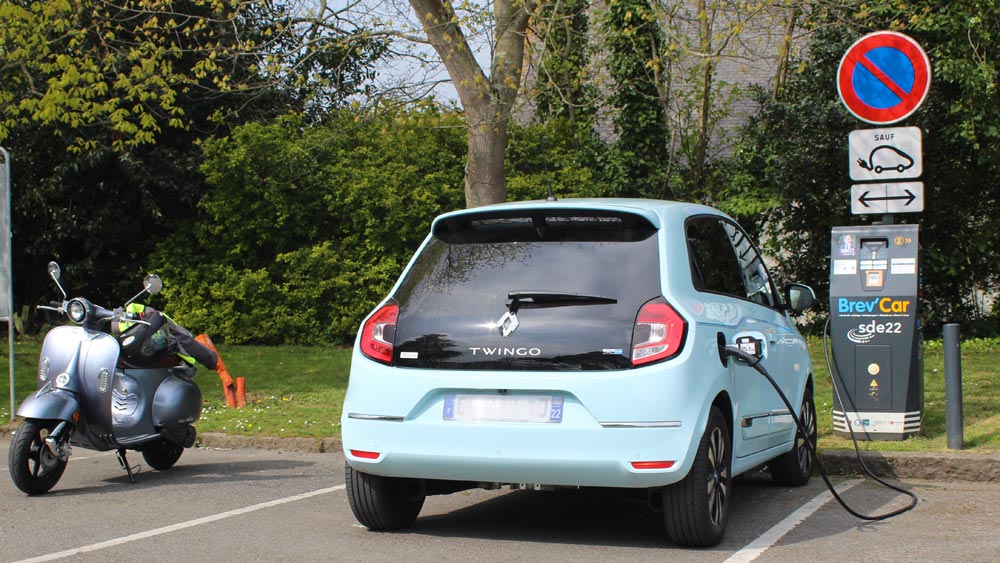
270	505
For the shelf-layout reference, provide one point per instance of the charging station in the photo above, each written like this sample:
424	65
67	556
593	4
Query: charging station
875	331
875	323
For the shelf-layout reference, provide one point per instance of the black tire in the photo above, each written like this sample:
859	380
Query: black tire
383	503
696	509
33	468
793	469
162	455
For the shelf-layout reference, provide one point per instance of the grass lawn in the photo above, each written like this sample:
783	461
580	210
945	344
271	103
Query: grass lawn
298	391
980	400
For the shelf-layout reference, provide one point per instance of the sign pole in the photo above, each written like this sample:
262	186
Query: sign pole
7	275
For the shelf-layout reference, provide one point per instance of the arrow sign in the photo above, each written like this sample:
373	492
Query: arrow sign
866	198
899	197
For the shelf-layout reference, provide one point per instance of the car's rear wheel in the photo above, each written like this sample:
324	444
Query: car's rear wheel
383	503
794	468
696	509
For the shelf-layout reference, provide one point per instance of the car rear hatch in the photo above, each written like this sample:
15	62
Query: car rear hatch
528	289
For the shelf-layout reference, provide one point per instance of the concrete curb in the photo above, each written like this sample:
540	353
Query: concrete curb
219	440
927	466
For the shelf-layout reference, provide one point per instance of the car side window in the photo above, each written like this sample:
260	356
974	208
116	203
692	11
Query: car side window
723	260
713	264
757	282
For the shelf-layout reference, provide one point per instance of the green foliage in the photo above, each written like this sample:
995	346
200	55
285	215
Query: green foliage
564	87
789	174
794	159
76	65
305	228
961	125
559	154
105	104
634	164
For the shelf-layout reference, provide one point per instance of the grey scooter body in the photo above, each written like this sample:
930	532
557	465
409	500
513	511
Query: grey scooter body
111	406
96	393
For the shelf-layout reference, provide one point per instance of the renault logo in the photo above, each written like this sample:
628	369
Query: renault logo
507	324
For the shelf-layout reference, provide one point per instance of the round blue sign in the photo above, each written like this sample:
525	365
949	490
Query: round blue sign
884	77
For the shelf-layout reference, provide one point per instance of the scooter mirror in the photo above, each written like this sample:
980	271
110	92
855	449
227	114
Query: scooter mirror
153	284
54	270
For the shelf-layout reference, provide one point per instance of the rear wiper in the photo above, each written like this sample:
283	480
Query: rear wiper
539	299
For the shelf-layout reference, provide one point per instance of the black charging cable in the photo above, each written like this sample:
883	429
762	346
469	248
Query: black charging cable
831	365
755	362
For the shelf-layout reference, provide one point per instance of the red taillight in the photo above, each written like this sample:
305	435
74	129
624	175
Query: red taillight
652	464
379	333
658	334
365	455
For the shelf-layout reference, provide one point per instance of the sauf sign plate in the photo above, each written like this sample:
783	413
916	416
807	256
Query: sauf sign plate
886	155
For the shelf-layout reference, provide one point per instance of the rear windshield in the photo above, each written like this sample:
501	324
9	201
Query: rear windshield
573	283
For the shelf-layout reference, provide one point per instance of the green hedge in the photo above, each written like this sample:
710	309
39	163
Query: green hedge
305	228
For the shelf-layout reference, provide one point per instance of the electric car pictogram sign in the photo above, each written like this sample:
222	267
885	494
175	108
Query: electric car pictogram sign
885	154
884	77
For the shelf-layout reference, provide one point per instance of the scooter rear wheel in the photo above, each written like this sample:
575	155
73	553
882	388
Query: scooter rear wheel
33	468
162	455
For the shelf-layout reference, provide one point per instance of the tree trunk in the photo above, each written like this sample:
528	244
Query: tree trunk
785	50
487	101
708	71
485	176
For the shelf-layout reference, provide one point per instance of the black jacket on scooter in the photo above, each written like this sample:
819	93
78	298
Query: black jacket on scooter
161	341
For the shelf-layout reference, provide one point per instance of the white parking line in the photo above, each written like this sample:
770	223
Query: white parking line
756	548
175	527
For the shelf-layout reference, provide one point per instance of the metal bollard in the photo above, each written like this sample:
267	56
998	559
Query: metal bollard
953	387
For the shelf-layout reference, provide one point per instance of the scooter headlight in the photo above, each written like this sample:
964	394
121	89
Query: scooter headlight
76	311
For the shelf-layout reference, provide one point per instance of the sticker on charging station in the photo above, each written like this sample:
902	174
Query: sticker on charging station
877	422
903	266
845	267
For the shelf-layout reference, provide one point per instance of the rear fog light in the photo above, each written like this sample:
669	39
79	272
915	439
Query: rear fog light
652	464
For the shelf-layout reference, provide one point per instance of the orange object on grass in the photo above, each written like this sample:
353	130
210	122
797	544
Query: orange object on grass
241	392
228	387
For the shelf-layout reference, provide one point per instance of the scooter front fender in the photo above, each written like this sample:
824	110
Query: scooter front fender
55	404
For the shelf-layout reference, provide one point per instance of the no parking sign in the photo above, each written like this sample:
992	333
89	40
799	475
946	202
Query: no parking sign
884	77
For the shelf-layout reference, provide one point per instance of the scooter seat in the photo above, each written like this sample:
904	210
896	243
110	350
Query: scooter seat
167	361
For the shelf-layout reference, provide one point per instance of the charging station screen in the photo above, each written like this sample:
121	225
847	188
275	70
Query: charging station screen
873	263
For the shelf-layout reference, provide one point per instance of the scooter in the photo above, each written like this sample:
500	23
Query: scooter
94	392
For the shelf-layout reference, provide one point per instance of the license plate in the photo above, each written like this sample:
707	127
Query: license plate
503	408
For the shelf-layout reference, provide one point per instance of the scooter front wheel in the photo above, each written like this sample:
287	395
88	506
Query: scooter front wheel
33	467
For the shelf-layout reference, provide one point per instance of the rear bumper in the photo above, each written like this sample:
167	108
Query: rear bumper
532	453
395	418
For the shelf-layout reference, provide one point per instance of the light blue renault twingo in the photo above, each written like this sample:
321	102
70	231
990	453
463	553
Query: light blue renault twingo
577	344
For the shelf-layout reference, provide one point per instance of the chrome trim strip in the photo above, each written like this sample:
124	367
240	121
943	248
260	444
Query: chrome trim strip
655	424
385	417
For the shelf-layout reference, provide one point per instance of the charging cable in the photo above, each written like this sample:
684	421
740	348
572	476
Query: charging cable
754	361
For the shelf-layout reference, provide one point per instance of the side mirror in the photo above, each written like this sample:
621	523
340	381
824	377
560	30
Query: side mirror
152	283
55	272
799	298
